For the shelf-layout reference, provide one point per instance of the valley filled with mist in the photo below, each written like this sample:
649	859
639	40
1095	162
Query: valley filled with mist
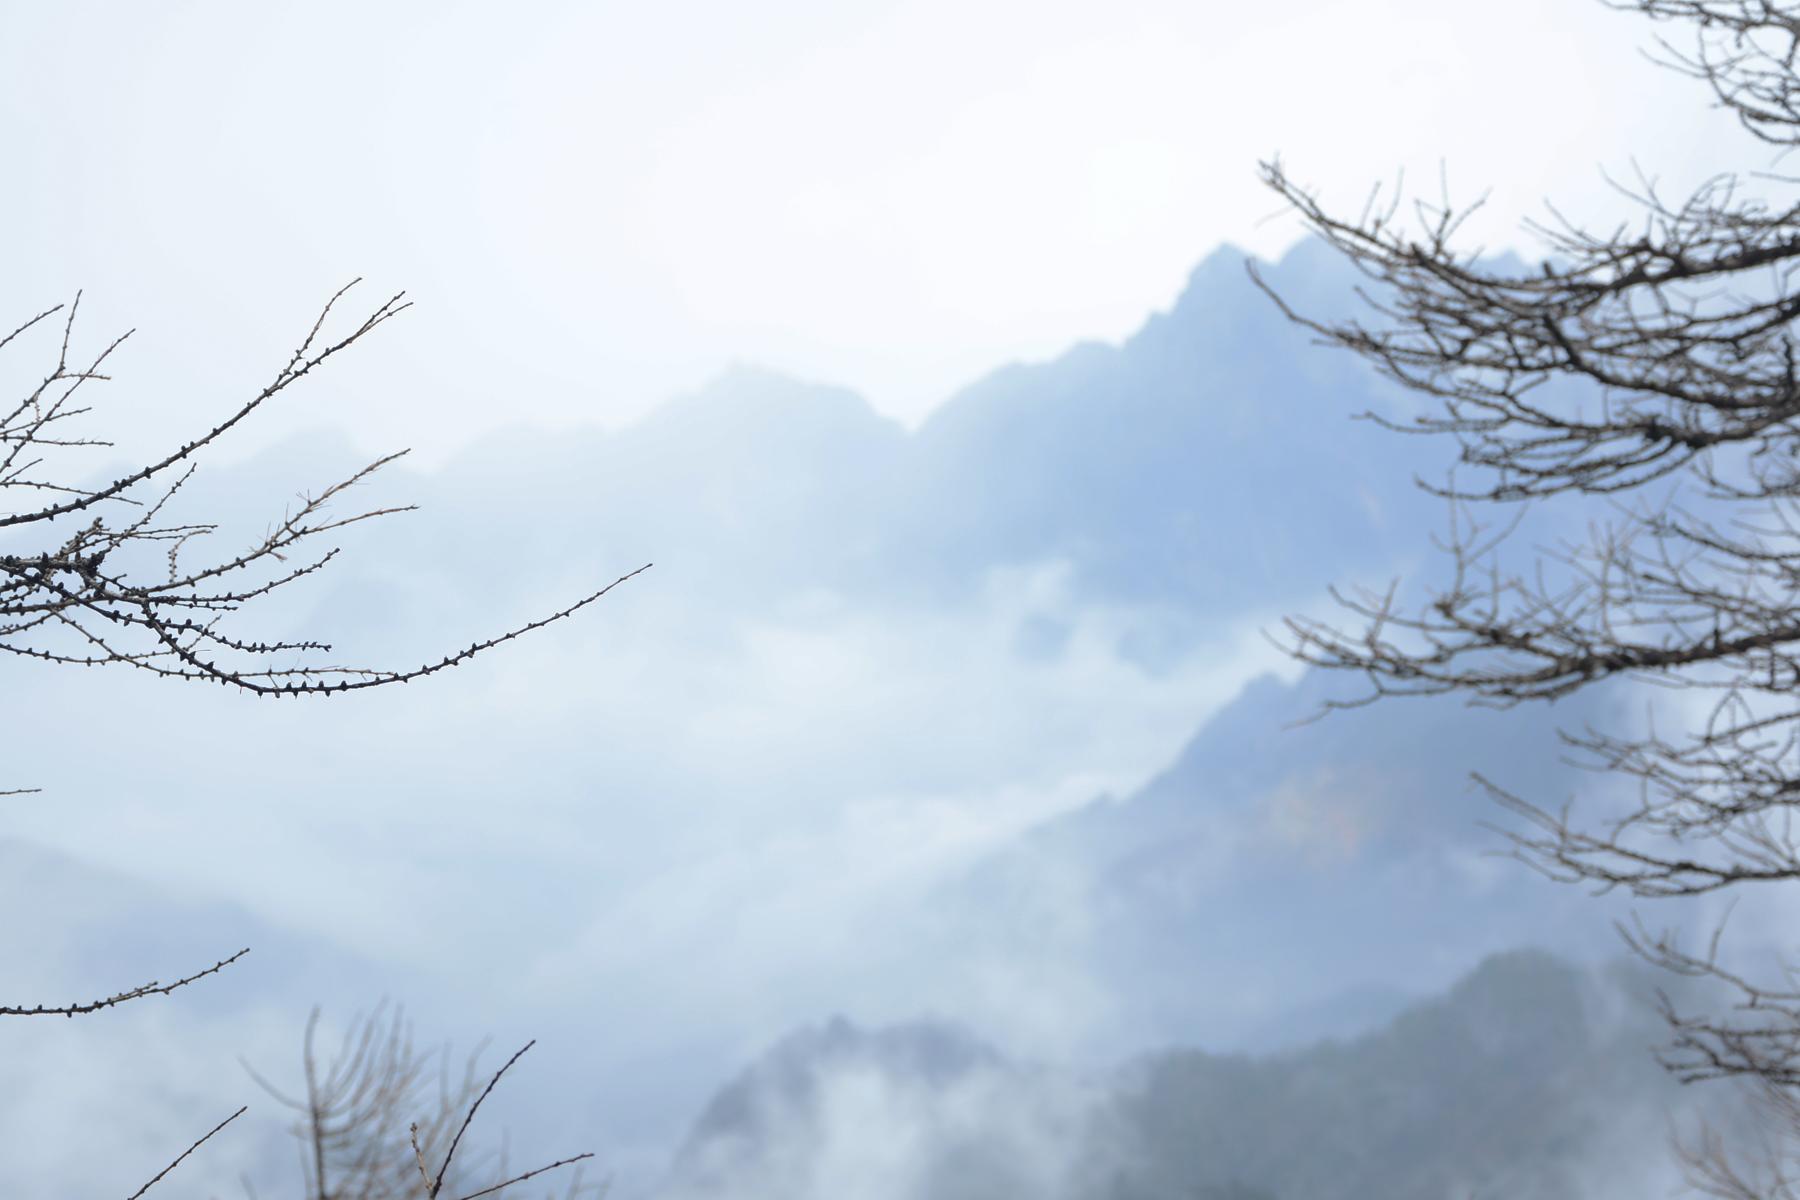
937	817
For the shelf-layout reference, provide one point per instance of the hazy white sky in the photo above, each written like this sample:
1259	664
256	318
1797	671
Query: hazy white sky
597	204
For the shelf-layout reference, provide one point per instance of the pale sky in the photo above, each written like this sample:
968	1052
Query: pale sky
597	205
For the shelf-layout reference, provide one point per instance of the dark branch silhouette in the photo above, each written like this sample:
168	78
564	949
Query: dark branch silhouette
105	580
1648	372
204	1138
153	988
532	1174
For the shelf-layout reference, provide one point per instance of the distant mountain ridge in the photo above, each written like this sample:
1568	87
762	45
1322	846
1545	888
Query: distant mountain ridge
1207	464
1510	1084
1205	470
1284	878
1149	464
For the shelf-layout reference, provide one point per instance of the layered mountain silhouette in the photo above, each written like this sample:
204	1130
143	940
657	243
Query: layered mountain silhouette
1269	886
1209	461
1292	874
1207	465
1530	1077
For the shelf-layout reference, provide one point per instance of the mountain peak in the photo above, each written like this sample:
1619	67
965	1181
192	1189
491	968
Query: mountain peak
744	384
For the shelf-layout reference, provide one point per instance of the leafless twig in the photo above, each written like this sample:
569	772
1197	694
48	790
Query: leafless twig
153	988
204	1138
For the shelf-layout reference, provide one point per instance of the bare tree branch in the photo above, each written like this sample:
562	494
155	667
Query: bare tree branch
437	1183
153	988
85	594
546	1168
370	1121
1647	377
204	1138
